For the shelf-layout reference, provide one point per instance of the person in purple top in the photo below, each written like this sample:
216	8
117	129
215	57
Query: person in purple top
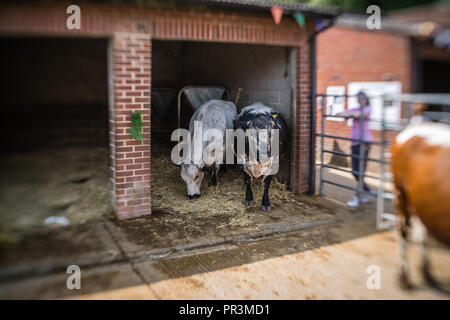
355	114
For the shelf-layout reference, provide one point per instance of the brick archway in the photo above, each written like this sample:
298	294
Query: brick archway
130	31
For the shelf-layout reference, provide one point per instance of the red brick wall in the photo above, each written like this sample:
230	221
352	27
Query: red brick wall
302	133
131	157
130	30
349	55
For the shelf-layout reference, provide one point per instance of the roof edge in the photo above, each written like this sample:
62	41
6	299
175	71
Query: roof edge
328	11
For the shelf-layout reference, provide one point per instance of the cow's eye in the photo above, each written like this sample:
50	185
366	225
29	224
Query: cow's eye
196	177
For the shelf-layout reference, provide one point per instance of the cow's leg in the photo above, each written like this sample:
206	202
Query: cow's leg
265	205
426	262
403	227
403	248
214	175
248	192
223	168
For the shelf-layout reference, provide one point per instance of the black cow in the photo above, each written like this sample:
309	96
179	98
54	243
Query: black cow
258	116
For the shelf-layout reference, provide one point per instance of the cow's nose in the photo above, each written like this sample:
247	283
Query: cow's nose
194	196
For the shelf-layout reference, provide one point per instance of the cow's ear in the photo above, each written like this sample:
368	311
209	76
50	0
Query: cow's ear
240	124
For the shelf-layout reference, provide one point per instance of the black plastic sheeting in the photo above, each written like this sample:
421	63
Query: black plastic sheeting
163	100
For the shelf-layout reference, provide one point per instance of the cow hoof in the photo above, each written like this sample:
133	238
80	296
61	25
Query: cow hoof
265	208
404	282
428	277
249	203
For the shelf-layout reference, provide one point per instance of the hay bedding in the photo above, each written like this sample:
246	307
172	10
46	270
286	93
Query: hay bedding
225	199
69	183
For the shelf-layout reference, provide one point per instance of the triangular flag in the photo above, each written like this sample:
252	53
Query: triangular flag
319	24
300	18
277	13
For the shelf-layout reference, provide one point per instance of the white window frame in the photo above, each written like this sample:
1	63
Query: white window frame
375	90
335	104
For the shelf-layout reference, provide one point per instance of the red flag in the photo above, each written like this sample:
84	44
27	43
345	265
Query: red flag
277	13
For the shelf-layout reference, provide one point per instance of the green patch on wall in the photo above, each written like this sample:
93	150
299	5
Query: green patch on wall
136	126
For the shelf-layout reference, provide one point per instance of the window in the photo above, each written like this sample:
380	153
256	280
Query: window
335	104
375	90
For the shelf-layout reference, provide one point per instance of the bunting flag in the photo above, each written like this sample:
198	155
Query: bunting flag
277	13
300	18
426	28
319	24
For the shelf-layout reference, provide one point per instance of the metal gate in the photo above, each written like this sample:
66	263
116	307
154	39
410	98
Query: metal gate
441	113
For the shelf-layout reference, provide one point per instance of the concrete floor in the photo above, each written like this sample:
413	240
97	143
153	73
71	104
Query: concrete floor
342	195
324	258
337	271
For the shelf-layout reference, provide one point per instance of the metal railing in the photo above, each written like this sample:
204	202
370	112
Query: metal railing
384	219
361	157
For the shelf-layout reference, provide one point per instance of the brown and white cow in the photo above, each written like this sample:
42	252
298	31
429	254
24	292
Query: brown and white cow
421	169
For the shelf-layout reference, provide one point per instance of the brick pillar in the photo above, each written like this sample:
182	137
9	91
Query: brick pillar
303	114
130	158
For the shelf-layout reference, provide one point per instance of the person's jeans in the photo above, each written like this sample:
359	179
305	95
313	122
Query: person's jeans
355	162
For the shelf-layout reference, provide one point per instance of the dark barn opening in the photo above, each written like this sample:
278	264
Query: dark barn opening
435	76
55	136
434	80
265	73
432	68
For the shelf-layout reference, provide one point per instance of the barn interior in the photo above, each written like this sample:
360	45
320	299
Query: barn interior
264	73
430	70
54	132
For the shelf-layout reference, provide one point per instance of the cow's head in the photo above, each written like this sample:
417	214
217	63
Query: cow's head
260	168
193	175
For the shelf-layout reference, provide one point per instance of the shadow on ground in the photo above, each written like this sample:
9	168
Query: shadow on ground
114	254
175	241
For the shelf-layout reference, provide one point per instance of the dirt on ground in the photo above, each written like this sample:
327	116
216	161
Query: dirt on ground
224	204
267	270
72	184
307	247
164	229
79	180
220	211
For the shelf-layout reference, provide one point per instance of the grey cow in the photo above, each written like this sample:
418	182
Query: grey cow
214	114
